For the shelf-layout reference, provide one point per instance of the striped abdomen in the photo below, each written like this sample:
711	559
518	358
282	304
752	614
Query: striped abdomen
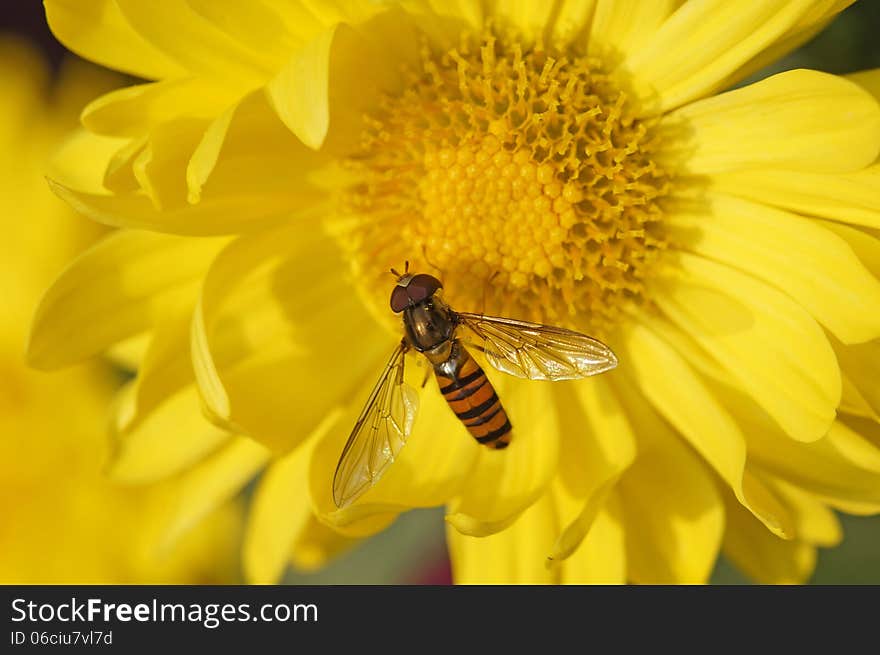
473	399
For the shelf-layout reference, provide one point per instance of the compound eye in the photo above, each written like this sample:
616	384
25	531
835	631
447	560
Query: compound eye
399	299
422	286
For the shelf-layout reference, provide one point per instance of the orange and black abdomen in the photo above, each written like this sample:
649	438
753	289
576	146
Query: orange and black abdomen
473	399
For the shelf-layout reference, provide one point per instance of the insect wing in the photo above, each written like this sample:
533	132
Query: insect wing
538	352
378	434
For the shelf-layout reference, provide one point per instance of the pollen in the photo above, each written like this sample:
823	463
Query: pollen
519	177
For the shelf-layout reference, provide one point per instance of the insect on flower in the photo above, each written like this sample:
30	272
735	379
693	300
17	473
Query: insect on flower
431	327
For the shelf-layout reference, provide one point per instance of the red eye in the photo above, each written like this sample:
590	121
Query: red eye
422	286
399	299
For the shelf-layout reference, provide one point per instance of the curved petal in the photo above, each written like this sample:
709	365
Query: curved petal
818	467
82	159
807	261
815	523
849	197
869	80
329	71
503	483
704	422
211	483
172	437
97	30
795	120
764	341
702	44
860	363
444	21
865	243
116	289
601	557
671	507
599	445
517	555
620	28
812	21
247	149
134	111
857	440
235	212
281	521
530	19
194	43
764	557
273	335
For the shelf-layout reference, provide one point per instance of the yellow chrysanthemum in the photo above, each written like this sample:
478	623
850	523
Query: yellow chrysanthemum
63	521
577	163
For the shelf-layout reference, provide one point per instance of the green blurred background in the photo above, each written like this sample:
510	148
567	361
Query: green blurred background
413	549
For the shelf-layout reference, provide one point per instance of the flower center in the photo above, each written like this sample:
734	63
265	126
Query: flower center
518	177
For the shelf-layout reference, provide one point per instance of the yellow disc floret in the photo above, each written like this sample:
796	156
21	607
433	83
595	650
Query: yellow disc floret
518	177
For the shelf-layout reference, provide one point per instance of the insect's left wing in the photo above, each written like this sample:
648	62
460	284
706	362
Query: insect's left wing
379	433
535	351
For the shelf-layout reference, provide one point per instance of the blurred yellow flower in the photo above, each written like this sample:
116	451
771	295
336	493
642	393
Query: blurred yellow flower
289	153
63	521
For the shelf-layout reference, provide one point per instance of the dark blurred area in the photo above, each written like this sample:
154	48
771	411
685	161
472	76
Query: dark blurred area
412	550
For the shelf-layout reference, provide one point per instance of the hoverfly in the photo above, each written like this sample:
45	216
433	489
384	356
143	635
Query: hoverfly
525	350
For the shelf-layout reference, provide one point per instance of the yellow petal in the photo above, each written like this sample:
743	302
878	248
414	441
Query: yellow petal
599	445
601	557
860	362
159	167
254	25
248	149
857	440
280	510
849	197
274	333
691	408
84	158
572	19
306	75
765	558
315	545
444	21
235	212
818	467
329	71
194	43
865	243
672	511
812	21
853	402
503	483
135	110
764	341
115	290
835	287
577	517
516	555
530	19
869	80
815	523
98	31
795	120
702	44
621	27
213	482
172	437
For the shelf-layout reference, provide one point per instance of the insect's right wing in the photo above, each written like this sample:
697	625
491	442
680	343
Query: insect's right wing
379	433
537	352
